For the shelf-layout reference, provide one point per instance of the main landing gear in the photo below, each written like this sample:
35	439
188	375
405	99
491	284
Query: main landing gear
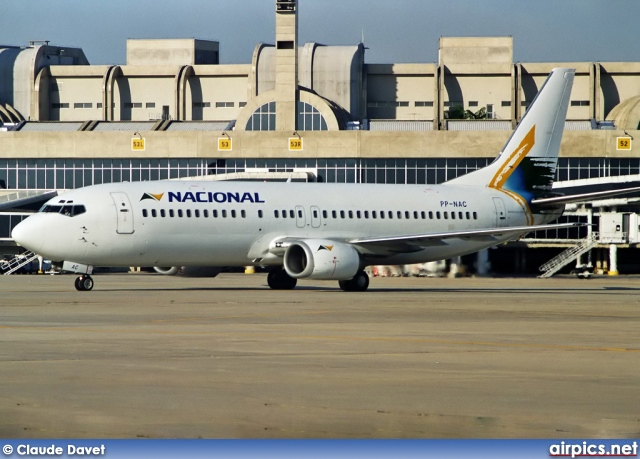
359	283
84	283
278	279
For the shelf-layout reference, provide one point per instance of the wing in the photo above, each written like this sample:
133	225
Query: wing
416	242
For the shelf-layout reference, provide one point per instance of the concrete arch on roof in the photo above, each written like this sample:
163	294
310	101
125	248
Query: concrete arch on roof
256	71
181	80
108	98
626	114
330	117
41	103
5	116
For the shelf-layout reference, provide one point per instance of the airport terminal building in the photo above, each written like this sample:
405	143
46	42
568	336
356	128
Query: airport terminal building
319	112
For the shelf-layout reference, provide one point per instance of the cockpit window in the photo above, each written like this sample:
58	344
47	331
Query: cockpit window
68	210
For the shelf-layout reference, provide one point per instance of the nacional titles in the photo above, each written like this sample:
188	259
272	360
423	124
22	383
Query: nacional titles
219	197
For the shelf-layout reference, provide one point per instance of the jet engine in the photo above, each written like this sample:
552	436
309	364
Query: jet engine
188	271
321	259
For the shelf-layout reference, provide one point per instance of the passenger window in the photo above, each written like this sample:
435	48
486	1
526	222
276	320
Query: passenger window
453	215
475	216
460	217
407	215
163	213
468	216
415	214
315	214
188	213
214	213
423	214
399	215
334	214
366	214
351	214
374	214
259	214
357	214
233	213
324	214
382	214
284	214
446	215
180	213
144	213
243	213
430	215
275	213
390	215
438	215
342	214
154	214
171	213
205	213
224	213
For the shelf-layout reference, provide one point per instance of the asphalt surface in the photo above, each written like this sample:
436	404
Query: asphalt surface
150	356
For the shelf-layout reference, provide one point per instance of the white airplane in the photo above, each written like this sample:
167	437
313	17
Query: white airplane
311	230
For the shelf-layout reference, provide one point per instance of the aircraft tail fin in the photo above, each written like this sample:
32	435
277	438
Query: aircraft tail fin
527	163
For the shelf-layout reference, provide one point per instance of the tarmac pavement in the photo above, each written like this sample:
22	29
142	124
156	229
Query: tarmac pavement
144	355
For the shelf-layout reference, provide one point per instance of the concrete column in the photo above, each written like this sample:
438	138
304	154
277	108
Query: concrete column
286	65
613	260
482	263
454	267
589	233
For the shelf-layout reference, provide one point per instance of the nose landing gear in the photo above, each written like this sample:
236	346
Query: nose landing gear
84	283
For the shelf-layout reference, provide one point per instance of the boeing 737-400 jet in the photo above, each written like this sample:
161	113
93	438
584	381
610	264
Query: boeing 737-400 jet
311	230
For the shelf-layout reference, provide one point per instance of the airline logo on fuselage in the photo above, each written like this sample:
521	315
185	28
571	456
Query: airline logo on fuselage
207	196
155	197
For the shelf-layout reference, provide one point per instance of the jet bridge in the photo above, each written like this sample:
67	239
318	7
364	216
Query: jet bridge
612	224
15	206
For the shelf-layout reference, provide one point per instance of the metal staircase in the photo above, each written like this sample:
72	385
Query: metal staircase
564	258
18	262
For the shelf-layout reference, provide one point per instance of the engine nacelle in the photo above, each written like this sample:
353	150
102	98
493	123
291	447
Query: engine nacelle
321	259
188	271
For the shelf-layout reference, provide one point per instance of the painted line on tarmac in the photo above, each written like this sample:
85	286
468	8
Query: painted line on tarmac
270	336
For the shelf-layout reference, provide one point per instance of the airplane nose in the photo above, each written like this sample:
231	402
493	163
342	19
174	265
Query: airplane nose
29	235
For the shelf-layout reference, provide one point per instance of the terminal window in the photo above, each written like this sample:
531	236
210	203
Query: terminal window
580	103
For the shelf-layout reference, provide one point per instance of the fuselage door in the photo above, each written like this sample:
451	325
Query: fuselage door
501	212
301	221
315	216
124	213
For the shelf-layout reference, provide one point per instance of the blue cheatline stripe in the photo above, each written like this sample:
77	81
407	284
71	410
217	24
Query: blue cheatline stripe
289	449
